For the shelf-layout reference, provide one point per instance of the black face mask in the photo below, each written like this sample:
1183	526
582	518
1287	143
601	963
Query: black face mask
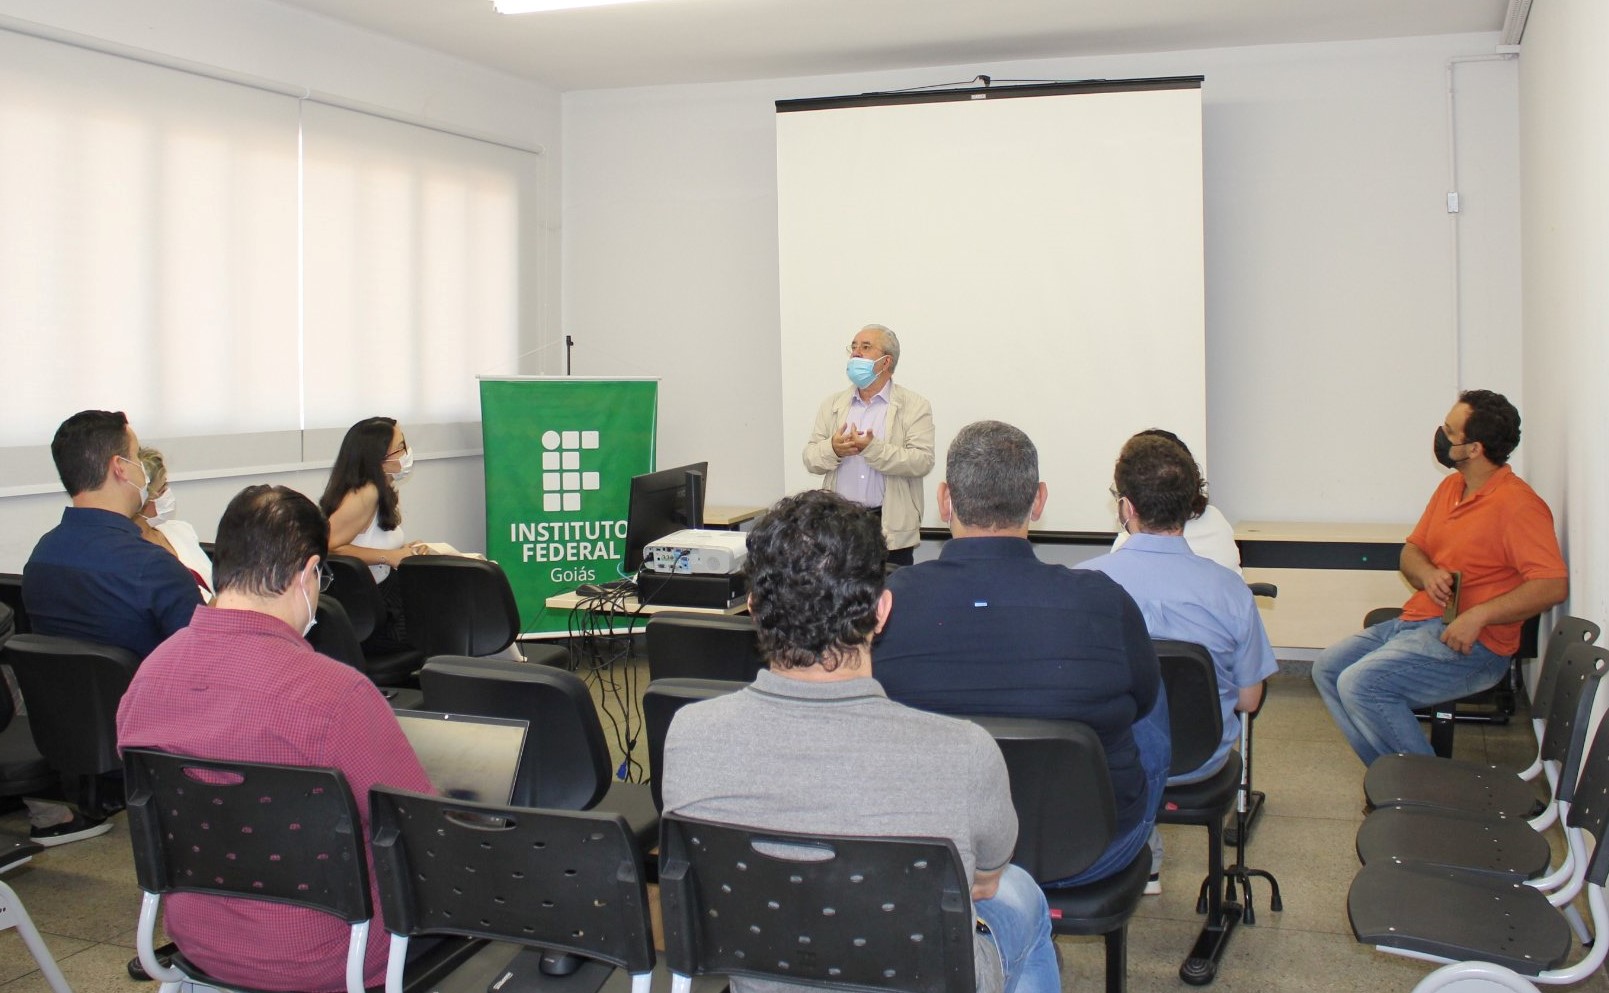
1444	450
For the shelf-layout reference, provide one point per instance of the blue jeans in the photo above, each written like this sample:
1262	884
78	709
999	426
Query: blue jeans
1019	922
1154	739
1373	680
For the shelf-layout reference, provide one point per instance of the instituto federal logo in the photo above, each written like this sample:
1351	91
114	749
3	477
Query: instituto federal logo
563	479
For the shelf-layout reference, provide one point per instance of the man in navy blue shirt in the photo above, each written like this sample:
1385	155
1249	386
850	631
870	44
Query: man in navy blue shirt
93	577
989	629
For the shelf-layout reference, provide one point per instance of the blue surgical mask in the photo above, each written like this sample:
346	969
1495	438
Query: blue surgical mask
862	372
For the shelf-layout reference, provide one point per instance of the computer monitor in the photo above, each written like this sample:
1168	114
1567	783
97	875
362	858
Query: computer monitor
662	503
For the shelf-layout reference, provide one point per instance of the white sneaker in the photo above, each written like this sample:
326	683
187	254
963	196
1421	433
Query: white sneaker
1153	886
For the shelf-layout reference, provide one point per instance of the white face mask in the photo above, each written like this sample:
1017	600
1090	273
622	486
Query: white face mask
312	615
165	505
404	464
144	487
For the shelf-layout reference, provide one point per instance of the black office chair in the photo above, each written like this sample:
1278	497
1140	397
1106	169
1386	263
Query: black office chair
354	587
23	771
702	646
11	596
554	881
1066	818
867	914
458	605
72	689
1498	702
202	826
660	702
1196	723
566	763
1487	922
333	634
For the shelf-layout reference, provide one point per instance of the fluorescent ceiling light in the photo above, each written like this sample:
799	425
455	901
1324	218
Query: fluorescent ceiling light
538	6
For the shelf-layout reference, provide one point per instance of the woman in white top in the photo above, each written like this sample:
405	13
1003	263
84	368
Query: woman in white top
366	518
1208	532
159	528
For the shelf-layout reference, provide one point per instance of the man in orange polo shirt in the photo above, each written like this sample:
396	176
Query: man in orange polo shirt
1485	545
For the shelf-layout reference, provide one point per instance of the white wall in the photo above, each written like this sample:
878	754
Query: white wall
1330	337
443	501
1563	106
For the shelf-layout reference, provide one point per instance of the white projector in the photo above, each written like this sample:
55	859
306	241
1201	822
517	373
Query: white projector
697	553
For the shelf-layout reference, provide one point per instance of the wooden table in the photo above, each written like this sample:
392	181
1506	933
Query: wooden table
730	518
1329	576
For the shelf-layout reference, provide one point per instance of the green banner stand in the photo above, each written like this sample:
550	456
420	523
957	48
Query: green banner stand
560	453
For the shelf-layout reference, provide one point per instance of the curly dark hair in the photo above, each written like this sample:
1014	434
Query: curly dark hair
1160	479
265	537
84	445
362	451
1198	506
815	571
1493	422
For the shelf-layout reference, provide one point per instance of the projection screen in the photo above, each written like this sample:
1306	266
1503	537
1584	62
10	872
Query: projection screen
1038	250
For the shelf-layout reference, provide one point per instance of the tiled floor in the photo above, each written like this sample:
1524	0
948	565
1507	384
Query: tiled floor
84	898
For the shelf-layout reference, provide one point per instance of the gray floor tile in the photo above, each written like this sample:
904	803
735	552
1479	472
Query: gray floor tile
96	969
1306	778
16	961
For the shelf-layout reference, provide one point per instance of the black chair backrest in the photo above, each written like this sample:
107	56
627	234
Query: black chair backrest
1195	715
566	880
702	646
1380	615
11	596
283	834
1590	809
1568	631
660	702
72	689
860	913
333	634
353	585
566	760
457	605
1576	687
8	623
1062	791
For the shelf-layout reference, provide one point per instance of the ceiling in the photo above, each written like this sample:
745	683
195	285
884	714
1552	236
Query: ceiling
692	41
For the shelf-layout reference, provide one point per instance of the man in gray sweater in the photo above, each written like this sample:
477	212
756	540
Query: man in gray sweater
814	745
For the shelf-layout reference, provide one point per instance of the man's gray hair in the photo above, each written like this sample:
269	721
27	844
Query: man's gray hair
889	343
993	473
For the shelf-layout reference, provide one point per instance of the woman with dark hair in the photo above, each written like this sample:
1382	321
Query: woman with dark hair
365	517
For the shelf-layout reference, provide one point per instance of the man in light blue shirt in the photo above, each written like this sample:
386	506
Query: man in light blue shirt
1183	596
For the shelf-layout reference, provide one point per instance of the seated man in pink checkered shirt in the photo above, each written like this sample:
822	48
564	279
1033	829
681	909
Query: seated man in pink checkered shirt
241	683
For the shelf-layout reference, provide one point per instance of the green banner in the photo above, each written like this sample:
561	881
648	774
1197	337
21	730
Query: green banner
560	454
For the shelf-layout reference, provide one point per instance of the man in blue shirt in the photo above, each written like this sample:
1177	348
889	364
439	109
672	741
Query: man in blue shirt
93	577
989	629
1183	596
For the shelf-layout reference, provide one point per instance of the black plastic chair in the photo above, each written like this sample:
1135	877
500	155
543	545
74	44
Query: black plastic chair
1482	841
457	605
1491	790
566	763
16	852
660	702
554	881
354	587
1061	788
201	826
702	646
866	914
72	689
1195	719
333	634
1457	916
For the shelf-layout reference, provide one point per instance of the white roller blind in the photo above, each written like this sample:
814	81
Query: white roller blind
1040	258
147	246
414	266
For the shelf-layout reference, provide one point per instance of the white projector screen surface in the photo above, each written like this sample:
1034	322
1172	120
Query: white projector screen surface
1040	258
